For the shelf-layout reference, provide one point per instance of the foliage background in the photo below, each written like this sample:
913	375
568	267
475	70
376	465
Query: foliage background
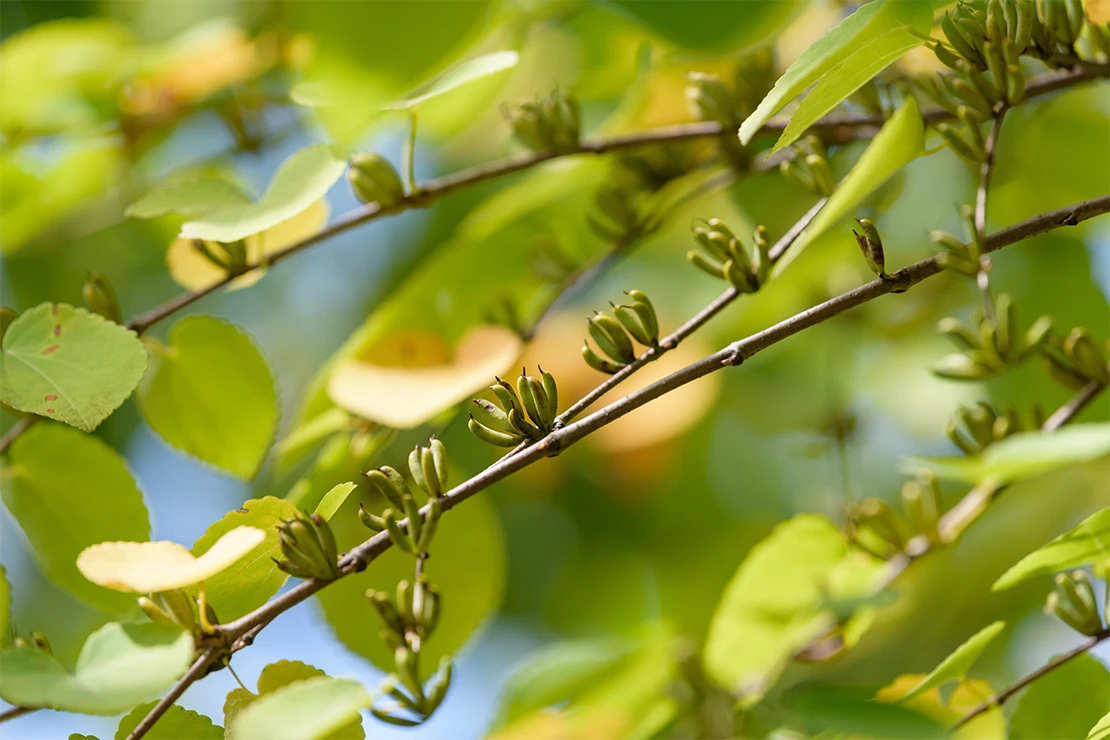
638	525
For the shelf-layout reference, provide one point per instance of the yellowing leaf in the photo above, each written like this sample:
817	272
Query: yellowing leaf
145	567
192	270
959	662
405	396
970	693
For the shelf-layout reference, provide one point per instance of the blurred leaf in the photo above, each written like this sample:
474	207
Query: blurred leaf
1087	543
210	394
68	364
698	24
5	607
120	665
1082	685
467	565
863	62
333	499
842	711
301	180
959	662
1101	731
193	198
68	491
774	604
966	696
240	590
191	269
1022	455
294	445
901	140
468	71
273	677
866	23
147	567
311	709
178	723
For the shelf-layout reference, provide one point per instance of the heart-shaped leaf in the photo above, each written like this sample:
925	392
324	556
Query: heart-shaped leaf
193	198
276	676
311	709
146	567
210	394
178	723
68	364
120	665
301	180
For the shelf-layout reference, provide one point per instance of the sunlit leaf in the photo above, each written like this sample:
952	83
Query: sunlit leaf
1082	685
1023	455
191	269
120	665
468	71
236	591
776	602
966	696
146	567
178	723
848	711
333	499
68	491
901	140
276	676
697	24
1087	543
210	394
378	387
867	22
311	709
467	565
193	198
862	63
68	364
301	180
5	607
1101	730
959	661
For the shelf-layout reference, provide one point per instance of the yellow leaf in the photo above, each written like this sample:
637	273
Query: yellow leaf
1098	11
968	694
412	377
192	270
146	567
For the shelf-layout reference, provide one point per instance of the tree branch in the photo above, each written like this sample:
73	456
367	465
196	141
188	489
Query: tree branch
198	670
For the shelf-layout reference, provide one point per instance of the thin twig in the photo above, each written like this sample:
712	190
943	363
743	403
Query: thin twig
1000	698
16	712
1072	408
197	671
986	168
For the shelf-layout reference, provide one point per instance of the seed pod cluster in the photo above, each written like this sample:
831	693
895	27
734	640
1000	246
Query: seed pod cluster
550	124
526	412
409	620
922	502
886	532
728	259
429	468
308	548
1073	600
172	609
1076	360
621	212
809	167
871	244
960	257
974	428
374	179
100	297
231	257
710	99
416	537
613	333
989	345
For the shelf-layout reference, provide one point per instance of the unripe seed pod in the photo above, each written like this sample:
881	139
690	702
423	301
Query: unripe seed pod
100	297
375	180
871	245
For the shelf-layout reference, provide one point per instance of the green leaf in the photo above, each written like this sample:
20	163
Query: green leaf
957	664
901	140
69	491
273	677
210	394
1087	543
842	711
193	198
255	578
863	62
697	24
777	600
177	723
305	710
300	181
333	499
1023	455
467	565
1082	685
1101	730
5	607
468	71
68	364
76	736
120	665
869	21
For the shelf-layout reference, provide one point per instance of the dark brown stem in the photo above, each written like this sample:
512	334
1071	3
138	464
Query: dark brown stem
16	712
197	671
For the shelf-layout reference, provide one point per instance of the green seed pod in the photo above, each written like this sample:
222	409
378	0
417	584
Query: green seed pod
1022	31
492	436
374	180
1073	601
100	297
796	176
327	544
958	332
974	132
495	414
961	265
525	427
962	367
599	363
710	99
966	445
959	42
155	613
526	389
958	143
390	719
404	699
996	64
949	242
871	244
822	175
440	684
1035	336
761	255
404	603
611	338
921	509
973	96
399	537
371	522
289	568
506	396
388	611
236	256
1015	84
1004	314
297	546
741	279
1063	371
416	522
632	323
431	521
883	521
406	661
1085	356
703	263
416	467
550	392
996	21
384	485
178	605
945	56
